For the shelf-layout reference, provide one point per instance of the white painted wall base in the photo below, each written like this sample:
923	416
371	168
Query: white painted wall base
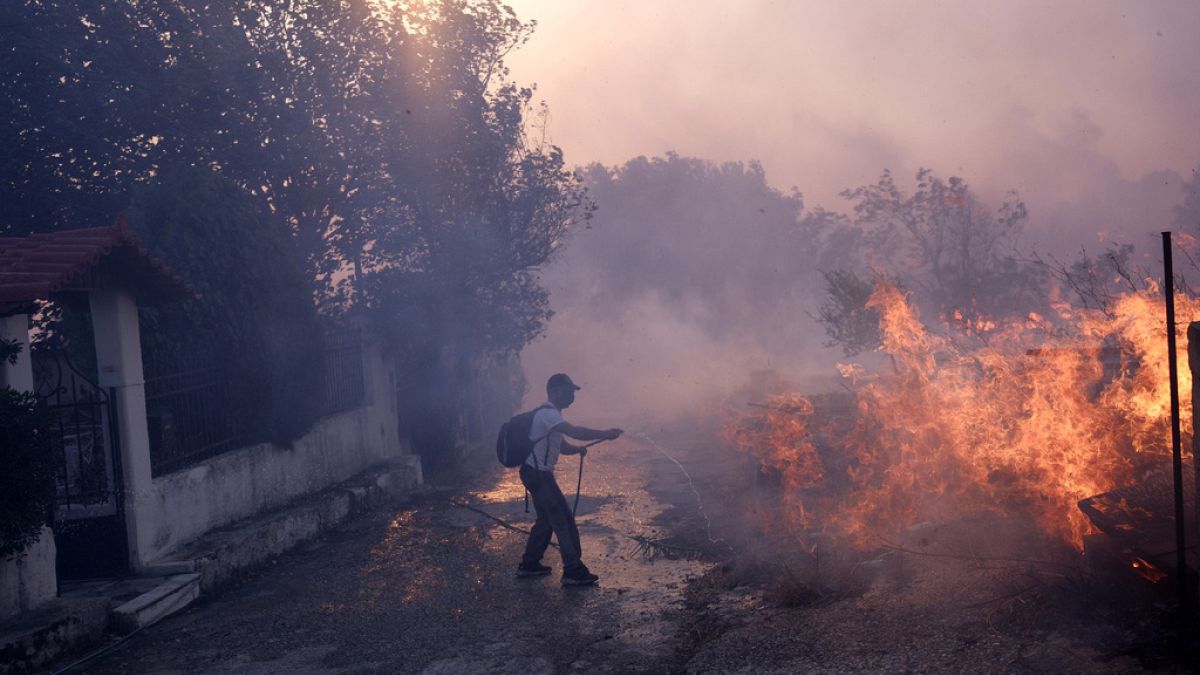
187	503
27	580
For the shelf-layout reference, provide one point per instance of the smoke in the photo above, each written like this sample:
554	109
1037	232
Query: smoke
1087	112
691	275
639	362
1077	194
693	291
826	96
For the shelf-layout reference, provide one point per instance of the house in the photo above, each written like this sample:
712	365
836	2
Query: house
145	466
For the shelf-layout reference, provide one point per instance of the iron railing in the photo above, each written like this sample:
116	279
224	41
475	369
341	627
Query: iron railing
83	433
344	381
192	412
189	418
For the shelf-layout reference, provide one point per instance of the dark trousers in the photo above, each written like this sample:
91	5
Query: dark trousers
553	516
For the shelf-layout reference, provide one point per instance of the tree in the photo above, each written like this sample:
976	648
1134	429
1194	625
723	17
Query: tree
844	314
386	138
254	315
940	236
27	455
76	88
711	245
481	206
1186	225
958	258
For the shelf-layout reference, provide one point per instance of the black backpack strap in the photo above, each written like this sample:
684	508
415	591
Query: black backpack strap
533	450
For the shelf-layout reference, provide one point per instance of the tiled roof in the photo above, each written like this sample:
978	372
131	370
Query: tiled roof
32	267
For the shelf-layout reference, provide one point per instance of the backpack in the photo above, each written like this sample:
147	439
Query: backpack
513	445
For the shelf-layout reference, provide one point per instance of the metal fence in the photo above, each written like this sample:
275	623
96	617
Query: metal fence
344	381
192	412
189	418
83	432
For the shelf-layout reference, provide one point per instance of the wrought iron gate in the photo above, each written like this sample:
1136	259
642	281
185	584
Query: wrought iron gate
89	517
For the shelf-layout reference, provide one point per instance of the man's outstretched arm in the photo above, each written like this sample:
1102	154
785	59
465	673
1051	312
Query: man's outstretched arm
586	434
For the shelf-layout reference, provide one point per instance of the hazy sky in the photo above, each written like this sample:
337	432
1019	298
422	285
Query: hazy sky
1089	109
1055	99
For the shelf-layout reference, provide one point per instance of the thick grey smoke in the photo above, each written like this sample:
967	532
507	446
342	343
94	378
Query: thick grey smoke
1086	111
694	275
691	276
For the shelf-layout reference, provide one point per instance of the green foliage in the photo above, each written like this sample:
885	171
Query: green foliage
255	314
27	481
844	314
473	207
9	350
386	138
958	258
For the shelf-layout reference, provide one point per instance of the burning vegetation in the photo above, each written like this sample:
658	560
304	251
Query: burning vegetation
1022	418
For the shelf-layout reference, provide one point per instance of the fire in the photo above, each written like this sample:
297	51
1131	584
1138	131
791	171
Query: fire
1147	570
783	441
1042	416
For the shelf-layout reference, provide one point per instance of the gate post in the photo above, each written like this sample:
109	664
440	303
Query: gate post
119	366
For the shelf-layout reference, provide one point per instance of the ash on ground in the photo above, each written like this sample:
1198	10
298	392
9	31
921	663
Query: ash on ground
972	590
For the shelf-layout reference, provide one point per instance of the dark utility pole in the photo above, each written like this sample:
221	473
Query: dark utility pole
1176	443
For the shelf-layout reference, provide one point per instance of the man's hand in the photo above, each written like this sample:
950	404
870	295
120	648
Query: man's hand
613	434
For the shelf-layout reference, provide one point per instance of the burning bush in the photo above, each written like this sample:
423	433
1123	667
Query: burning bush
1044	414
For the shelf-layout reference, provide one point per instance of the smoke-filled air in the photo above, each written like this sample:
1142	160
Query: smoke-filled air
543	336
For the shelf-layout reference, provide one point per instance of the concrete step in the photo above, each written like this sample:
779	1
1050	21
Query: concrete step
171	595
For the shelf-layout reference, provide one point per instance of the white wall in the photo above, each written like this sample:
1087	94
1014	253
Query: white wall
27	580
241	483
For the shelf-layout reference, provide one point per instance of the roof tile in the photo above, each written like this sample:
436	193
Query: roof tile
33	267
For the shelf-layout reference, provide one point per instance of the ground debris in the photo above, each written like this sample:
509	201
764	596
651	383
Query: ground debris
656	548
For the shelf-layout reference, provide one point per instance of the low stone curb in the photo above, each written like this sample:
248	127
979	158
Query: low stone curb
58	627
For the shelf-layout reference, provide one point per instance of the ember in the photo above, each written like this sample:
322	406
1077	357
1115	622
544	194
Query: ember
1043	414
1148	570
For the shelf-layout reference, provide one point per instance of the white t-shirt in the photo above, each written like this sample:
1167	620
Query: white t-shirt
549	444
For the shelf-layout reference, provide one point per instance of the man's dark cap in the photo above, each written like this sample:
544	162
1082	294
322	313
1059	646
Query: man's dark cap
561	380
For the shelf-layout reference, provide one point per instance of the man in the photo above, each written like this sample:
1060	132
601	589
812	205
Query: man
537	473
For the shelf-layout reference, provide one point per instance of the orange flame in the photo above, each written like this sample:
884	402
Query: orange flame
1029	424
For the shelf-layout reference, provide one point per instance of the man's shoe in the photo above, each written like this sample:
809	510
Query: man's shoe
579	578
534	570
